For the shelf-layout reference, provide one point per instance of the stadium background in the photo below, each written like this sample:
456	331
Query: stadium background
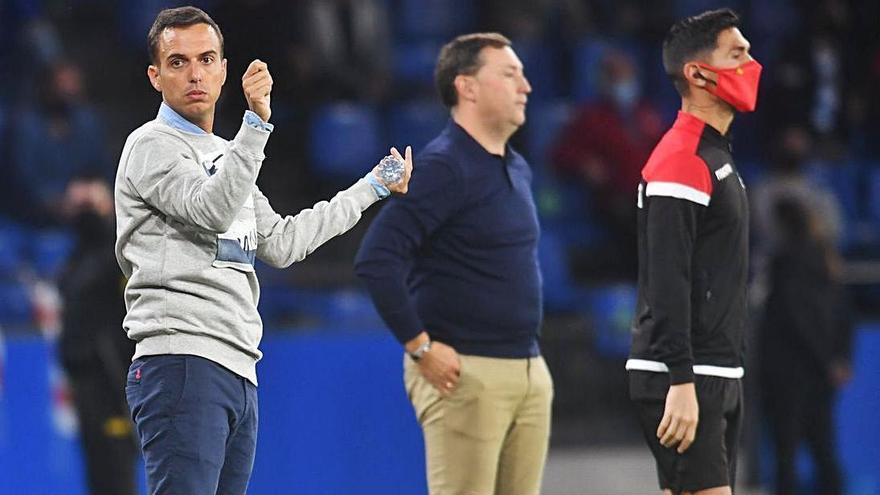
352	78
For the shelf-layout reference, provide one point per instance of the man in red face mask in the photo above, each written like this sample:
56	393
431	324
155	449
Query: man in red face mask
686	359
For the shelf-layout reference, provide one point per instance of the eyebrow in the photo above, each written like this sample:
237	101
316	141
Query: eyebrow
180	55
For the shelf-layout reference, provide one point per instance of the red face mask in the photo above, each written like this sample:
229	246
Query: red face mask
738	85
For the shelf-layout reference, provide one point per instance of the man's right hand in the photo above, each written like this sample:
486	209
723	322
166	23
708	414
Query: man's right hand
680	417
440	365
257	85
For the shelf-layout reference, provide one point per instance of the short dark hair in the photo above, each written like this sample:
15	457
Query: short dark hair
178	17
694	37
462	56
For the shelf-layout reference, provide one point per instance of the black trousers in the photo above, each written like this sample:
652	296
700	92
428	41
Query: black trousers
108	441
801	410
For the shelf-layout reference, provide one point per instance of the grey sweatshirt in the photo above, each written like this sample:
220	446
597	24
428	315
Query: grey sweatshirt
190	220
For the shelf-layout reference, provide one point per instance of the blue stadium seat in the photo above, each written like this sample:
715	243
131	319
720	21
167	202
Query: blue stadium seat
281	306
414	62
341	309
612	308
842	179
554	271
415	123
137	17
348	310
685	8
566	209
12	242
588	54
50	250
545	120
16	308
345	141
658	87
561	295
541	65
872	207
433	19
752	172
858	430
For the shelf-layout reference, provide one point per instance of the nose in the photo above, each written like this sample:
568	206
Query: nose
196	73
525	86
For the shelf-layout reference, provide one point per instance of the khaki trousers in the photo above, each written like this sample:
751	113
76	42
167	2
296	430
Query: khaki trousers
490	436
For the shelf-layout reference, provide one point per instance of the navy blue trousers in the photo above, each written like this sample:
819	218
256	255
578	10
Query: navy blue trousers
197	423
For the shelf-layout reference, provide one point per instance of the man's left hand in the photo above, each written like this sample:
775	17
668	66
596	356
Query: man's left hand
257	86
401	186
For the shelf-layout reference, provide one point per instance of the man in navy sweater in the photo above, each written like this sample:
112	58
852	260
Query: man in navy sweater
452	269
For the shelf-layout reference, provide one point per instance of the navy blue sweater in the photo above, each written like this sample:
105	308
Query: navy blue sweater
457	255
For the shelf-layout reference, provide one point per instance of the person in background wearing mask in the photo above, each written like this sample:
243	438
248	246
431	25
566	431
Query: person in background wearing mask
57	138
604	147
788	177
688	345
804	347
93	352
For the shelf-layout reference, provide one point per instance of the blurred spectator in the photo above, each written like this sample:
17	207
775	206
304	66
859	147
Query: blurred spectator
53	140
135	18
804	348
605	147
536	19
94	349
6	189
864	105
809	84
648	21
787	179
350	47
284	45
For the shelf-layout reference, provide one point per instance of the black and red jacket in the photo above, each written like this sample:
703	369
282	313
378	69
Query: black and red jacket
693	257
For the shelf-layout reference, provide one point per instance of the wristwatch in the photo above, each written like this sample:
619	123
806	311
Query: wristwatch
420	351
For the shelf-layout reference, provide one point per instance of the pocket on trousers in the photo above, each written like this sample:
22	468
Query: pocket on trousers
421	393
543	379
161	384
471	410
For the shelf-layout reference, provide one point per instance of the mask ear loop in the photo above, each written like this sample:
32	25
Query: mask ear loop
699	75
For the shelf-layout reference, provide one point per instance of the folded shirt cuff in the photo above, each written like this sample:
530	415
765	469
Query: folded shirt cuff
254	120
381	190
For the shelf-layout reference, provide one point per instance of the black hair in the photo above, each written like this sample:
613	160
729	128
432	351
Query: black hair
694	37
178	17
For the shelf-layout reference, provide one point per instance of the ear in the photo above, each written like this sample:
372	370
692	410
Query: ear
465	87
155	79
694	75
223	64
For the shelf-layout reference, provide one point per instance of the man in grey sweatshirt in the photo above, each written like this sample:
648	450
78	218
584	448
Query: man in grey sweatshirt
190	222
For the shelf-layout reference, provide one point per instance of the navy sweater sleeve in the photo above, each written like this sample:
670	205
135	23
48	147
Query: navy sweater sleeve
384	260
